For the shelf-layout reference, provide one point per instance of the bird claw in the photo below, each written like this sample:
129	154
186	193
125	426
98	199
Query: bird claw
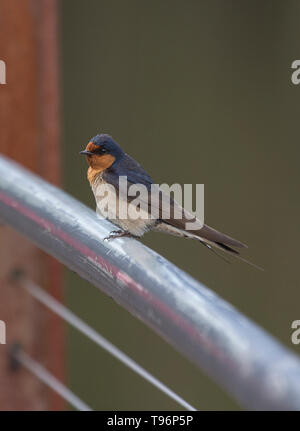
118	234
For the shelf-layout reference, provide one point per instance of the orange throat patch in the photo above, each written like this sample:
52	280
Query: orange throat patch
98	164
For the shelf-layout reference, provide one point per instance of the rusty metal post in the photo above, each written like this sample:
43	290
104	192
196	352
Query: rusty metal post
29	133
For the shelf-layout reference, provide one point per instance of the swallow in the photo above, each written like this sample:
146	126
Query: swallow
107	162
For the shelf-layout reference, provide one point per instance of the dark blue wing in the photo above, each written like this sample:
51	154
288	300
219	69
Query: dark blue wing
127	166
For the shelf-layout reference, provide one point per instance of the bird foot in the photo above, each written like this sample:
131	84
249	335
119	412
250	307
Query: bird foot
118	234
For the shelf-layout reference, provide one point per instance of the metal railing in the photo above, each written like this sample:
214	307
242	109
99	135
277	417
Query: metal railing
19	357
68	316
242	358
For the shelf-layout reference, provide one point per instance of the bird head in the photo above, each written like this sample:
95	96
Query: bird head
101	152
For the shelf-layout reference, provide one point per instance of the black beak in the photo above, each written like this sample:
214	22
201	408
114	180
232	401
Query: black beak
86	153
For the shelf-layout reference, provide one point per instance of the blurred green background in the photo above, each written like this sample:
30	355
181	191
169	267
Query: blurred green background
197	92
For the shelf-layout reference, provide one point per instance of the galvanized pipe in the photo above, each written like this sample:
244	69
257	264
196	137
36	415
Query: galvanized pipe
247	362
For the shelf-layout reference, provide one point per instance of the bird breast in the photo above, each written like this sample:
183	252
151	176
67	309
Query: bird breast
114	207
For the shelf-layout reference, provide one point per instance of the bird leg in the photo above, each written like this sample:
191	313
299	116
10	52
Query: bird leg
119	234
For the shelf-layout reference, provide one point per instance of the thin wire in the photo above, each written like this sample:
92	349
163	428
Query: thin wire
85	329
40	372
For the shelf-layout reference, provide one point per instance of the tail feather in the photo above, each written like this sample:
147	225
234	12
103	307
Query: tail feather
224	242
236	254
210	238
215	236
